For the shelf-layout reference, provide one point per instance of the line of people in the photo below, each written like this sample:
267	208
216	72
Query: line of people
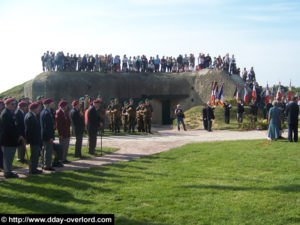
107	63
23	123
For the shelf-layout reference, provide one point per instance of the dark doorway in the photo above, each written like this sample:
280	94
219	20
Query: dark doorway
166	119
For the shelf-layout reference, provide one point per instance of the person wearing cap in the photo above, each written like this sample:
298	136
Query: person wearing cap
140	116
179	115
125	116
20	115
92	126
148	115
10	136
47	132
33	136
109	114
62	122
2	106
292	113
101	113
81	106
77	121
131	110
116	114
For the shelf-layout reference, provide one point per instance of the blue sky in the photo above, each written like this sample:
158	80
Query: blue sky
263	34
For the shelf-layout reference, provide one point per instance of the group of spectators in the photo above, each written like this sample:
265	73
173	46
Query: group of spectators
52	61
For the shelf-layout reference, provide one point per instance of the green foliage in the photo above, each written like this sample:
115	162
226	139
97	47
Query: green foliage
233	182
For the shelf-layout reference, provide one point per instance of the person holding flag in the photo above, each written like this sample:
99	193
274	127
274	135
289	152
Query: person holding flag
246	96
240	111
290	95
220	96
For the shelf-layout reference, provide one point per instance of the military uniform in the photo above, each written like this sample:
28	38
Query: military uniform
101	114
125	117
148	110
116	116
140	117
110	117
131	110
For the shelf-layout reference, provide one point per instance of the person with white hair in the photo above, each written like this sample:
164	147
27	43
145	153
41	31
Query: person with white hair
274	122
179	116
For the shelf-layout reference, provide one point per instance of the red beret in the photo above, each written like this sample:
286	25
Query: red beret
62	103
47	101
22	104
75	102
9	100
34	105
96	101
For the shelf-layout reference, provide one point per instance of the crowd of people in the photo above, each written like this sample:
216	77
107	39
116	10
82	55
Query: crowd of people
35	123
52	61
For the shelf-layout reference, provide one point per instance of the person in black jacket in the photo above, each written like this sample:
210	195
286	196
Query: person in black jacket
210	117
33	136
47	132
253	113
2	106
240	111
77	122
20	115
204	116
92	126
10	137
227	108
292	112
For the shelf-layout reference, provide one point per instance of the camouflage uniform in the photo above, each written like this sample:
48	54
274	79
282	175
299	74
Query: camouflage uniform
131	109
116	115
140	117
125	117
148	109
110	117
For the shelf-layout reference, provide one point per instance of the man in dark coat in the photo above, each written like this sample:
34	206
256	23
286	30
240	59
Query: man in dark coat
77	122
92	126
204	116
2	106
47	132
20	115
33	136
210	117
10	136
227	108
292	112
240	111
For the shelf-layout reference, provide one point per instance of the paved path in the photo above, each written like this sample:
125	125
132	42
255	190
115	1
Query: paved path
136	146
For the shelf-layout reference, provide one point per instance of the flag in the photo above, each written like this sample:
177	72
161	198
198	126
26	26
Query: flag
213	97
236	93
278	95
246	96
220	96
216	94
254	92
267	96
290	92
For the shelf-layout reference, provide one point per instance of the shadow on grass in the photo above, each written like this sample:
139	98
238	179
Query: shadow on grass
287	188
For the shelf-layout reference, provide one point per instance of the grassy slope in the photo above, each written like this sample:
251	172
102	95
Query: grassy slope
241	182
16	92
193	118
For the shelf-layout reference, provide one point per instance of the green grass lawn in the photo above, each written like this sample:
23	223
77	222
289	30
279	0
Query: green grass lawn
233	182
71	154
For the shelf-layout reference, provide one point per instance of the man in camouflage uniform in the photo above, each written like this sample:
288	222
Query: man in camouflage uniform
131	110
109	114
148	111
140	116
125	116
116	114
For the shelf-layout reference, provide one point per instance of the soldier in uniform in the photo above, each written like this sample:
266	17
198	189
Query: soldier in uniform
125	116
33	136
20	114
116	114
204	116
210	117
140	116
77	120
101	113
10	136
47	132
92	126
148	114
131	110
2	106
227	108
62	121
109	114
